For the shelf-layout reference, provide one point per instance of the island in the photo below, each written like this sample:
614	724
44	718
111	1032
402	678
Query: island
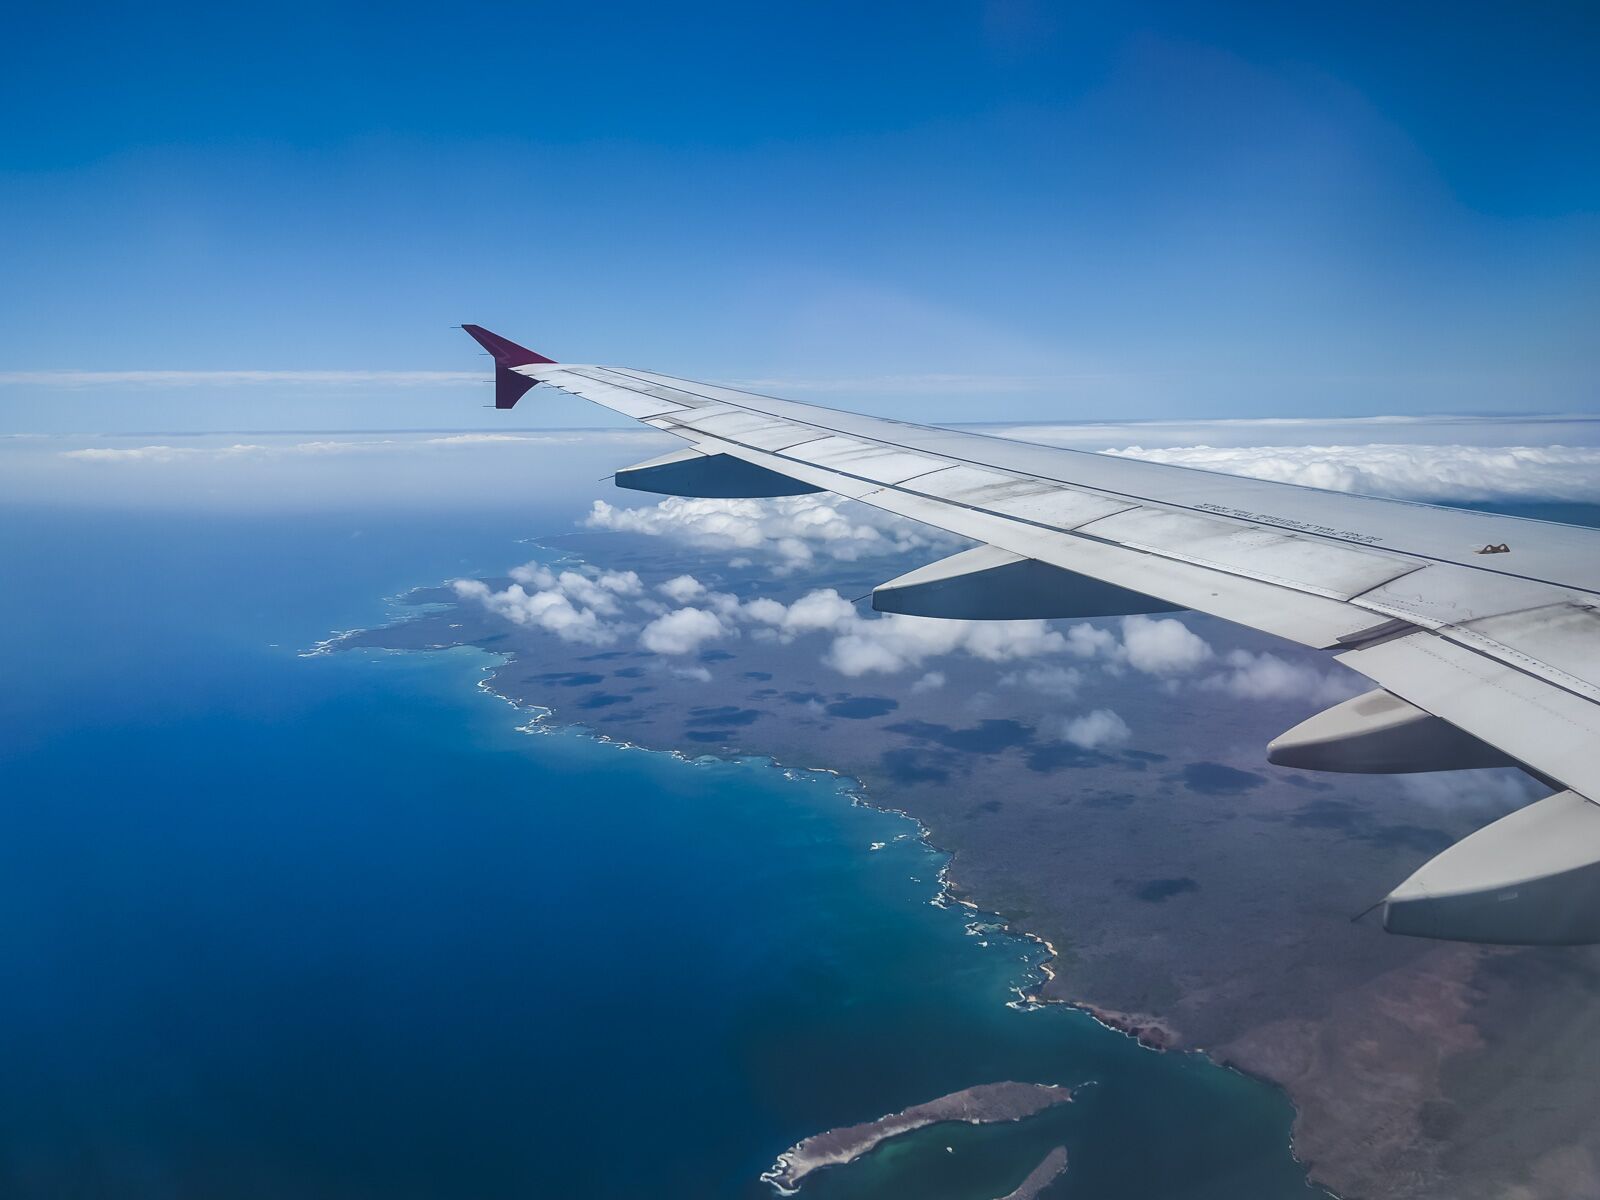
985	1104
1051	1167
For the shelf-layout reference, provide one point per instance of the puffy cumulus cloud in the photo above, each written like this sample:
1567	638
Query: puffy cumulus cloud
1091	641
1096	730
893	643
1268	677
1003	641
889	644
766	611
682	588
1407	472
1162	647
692	674
548	609
623	583
582	603
795	530
683	631
1051	680
856	655
586	587
817	611
575	604
725	603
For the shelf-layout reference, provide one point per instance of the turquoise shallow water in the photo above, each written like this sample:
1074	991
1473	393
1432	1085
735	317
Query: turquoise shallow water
285	926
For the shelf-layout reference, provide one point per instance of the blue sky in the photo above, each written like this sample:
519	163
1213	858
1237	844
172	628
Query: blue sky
945	211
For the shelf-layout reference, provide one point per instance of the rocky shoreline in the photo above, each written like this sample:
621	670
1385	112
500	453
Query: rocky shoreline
1240	946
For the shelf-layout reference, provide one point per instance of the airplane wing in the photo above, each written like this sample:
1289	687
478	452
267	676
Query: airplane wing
1482	632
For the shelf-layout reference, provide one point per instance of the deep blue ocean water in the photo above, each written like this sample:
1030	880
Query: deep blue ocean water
278	926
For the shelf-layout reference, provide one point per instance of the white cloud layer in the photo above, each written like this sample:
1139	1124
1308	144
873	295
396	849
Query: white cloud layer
328	447
1406	472
1267	677
795	530
912	384
1571	429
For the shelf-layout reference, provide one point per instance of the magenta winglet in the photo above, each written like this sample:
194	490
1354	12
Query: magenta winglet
509	387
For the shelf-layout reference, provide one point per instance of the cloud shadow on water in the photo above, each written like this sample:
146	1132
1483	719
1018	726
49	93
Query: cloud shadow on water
603	700
1157	891
722	715
909	765
1215	779
986	737
860	708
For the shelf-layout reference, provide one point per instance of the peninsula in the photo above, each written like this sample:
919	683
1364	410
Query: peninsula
985	1104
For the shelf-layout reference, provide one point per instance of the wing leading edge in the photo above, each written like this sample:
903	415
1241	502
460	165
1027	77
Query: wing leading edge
1481	658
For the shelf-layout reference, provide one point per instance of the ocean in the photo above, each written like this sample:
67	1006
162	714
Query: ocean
336	926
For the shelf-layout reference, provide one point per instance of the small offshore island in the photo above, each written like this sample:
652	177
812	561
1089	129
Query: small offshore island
1051	1167
986	1103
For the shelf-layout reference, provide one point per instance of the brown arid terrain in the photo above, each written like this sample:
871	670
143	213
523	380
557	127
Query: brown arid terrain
1193	896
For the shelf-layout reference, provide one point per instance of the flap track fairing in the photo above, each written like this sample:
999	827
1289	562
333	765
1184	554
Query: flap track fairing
990	584
1531	878
1379	733
709	476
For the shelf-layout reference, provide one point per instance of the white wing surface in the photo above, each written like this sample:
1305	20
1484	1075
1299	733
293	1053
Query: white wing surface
1482	631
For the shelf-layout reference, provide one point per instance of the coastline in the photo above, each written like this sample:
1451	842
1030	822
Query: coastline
1248	963
1150	1032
